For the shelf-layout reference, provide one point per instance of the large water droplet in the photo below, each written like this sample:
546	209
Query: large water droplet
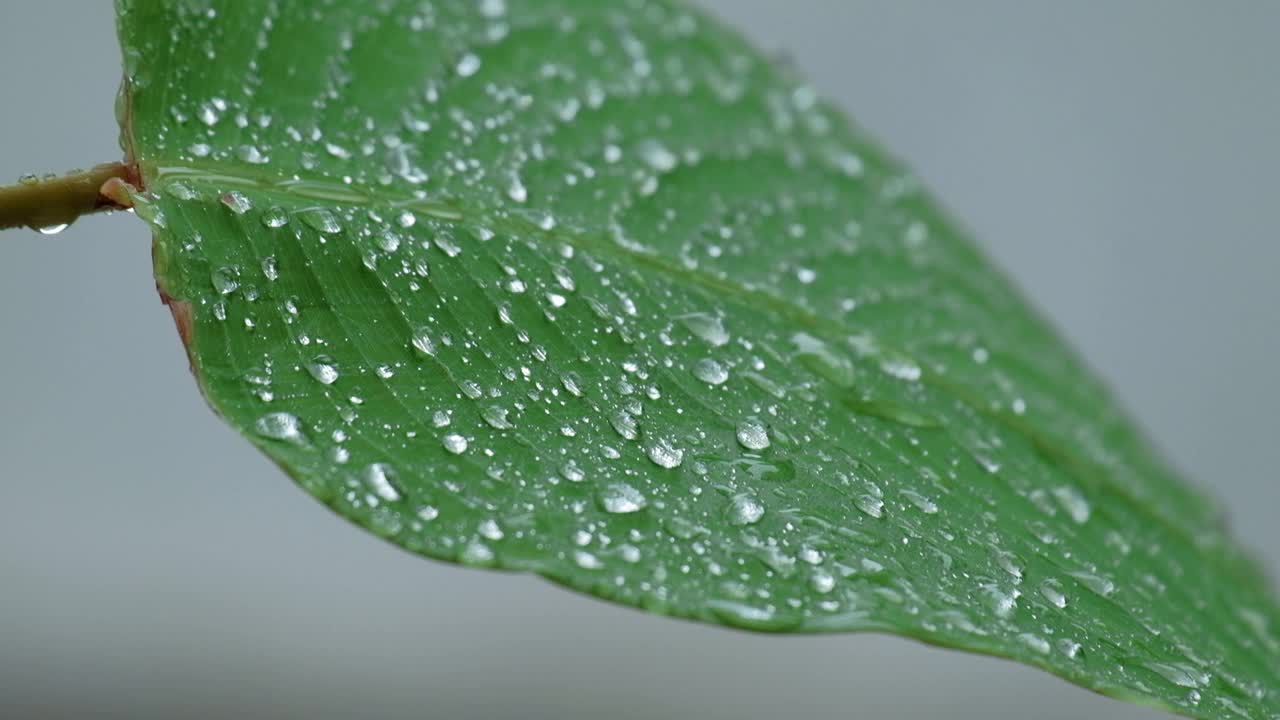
281	426
454	443
423	341
753	435
706	326
1051	590
819	357
621	498
665	455
275	217
1073	502
381	479
323	369
496	417
710	371
225	280
745	510
236	202
320	220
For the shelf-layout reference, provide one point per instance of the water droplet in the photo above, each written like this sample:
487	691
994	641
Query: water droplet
1035	642
476	553
423	342
822	582
468	65
1073	502
281	426
225	280
922	503
816	355
320	220
490	529
745	510
753	435
665	455
624	423
1096	583
621	498
381	479
706	326
658	156
710	371
252	155
870	505
323	369
53	229
275	217
388	241
496	416
236	202
516	189
454	443
1051	590
1180	673
586	560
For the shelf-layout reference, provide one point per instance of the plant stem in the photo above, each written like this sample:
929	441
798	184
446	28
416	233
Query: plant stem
54	202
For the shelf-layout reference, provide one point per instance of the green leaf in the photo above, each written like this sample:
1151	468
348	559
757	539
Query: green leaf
594	290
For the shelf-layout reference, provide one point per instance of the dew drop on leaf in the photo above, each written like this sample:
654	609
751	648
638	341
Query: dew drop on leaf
745	509
621	498
664	454
281	426
454	443
753	435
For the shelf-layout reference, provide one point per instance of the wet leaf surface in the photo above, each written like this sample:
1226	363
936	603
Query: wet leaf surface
597	291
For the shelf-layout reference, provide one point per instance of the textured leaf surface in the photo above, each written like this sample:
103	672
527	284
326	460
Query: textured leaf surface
594	290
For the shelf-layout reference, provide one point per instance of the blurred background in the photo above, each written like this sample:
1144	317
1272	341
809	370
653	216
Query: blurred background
1118	159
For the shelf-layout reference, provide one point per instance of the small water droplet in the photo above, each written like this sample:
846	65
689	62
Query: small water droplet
53	229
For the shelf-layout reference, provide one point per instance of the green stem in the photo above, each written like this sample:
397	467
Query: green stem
54	202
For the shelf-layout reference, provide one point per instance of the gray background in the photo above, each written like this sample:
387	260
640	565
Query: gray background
1118	158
